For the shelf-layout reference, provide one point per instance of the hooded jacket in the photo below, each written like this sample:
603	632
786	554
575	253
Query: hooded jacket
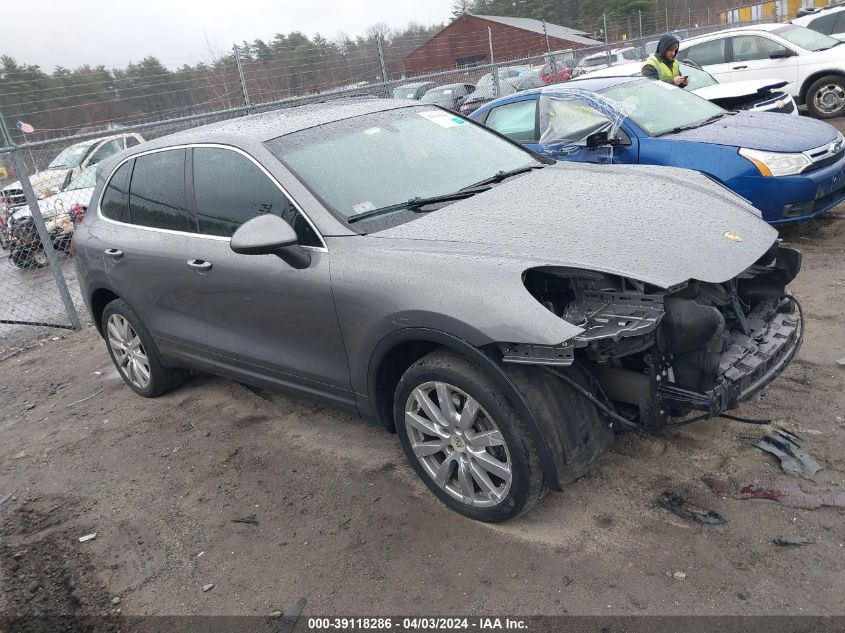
660	57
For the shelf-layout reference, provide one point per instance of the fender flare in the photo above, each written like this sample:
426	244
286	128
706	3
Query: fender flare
483	362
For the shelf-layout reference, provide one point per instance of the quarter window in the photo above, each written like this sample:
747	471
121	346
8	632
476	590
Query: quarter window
515	120
707	53
157	194
115	201
230	189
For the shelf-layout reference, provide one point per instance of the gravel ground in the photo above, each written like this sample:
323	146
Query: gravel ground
343	522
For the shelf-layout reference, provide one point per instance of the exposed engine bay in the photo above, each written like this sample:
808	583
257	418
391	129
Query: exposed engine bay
655	355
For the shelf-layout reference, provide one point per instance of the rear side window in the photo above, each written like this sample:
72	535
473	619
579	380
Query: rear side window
515	120
157	194
115	202
839	27
707	53
230	189
824	23
131	141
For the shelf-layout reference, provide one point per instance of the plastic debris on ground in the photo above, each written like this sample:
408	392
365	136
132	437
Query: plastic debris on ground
791	541
88	537
793	497
794	461
676	504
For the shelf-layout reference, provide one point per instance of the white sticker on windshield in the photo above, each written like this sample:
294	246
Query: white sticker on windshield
441	118
367	205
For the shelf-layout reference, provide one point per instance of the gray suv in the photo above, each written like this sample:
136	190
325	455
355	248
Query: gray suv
503	314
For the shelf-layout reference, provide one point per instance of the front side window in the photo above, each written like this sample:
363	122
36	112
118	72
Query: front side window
115	201
85	180
706	53
131	141
385	158
515	120
748	48
109	149
157	192
230	189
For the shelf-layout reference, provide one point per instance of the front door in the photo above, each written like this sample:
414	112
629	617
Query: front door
267	322
752	59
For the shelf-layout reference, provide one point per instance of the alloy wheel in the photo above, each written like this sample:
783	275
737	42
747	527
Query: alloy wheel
829	99
458	444
128	351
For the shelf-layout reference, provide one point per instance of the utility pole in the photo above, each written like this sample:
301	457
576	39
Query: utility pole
549	49
690	16
493	61
381	62
241	76
641	23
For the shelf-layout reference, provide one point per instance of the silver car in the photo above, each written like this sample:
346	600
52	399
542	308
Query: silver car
501	313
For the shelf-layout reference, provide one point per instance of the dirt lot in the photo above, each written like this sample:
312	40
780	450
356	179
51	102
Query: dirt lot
343	522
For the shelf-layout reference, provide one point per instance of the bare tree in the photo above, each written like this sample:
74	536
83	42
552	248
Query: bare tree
462	7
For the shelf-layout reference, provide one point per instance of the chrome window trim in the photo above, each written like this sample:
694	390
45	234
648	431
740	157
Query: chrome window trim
321	249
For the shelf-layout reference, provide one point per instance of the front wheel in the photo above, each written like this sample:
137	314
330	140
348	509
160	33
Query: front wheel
826	97
465	440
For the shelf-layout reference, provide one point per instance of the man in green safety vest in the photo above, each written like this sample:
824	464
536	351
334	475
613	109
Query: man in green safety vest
663	65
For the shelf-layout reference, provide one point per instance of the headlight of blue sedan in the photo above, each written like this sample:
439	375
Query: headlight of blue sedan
776	163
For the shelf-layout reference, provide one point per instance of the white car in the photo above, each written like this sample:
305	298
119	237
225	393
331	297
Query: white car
813	64
828	21
70	162
597	61
62	210
751	94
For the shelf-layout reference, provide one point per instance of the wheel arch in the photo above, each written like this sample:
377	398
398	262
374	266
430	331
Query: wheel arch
399	350
100	298
805	87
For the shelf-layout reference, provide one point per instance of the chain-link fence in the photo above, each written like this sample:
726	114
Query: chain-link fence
46	185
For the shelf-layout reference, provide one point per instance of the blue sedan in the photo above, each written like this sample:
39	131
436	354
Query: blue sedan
791	168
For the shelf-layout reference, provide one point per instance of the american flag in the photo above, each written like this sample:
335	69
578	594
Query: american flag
26	128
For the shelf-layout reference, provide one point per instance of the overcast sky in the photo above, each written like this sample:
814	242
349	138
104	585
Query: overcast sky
115	32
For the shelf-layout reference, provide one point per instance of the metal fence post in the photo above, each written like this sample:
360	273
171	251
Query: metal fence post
381	62
641	23
38	219
667	17
549	49
241	76
493	62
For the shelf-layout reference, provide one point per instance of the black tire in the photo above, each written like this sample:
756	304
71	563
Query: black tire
4	239
526	485
835	83
20	258
162	379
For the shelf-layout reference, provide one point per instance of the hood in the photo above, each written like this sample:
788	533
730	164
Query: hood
766	131
664	43
659	225
739	89
46	179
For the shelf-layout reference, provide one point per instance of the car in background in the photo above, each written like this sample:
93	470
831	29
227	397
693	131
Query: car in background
67	165
558	66
450	96
399	261
606	59
526	80
753	94
413	90
826	20
790	168
813	64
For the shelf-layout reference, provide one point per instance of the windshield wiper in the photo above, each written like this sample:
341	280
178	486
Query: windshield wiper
416	203
682	128
499	176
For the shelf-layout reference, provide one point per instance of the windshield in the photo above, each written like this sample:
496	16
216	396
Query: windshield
805	38
405	92
71	156
697	78
658	107
599	61
85	180
372	161
438	96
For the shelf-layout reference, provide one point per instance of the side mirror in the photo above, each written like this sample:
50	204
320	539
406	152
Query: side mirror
600	139
270	235
782	54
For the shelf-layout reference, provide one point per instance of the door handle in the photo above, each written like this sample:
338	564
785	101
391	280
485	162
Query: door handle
199	264
113	252
739	67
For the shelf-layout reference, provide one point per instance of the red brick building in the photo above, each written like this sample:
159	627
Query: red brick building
465	42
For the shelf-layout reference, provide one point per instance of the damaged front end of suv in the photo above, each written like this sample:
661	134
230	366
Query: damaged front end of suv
663	357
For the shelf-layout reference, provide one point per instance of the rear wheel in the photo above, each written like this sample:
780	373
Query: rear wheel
826	97
134	352
465	440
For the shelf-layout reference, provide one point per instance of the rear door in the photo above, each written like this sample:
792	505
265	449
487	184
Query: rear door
142	242
713	56
266	320
752	59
